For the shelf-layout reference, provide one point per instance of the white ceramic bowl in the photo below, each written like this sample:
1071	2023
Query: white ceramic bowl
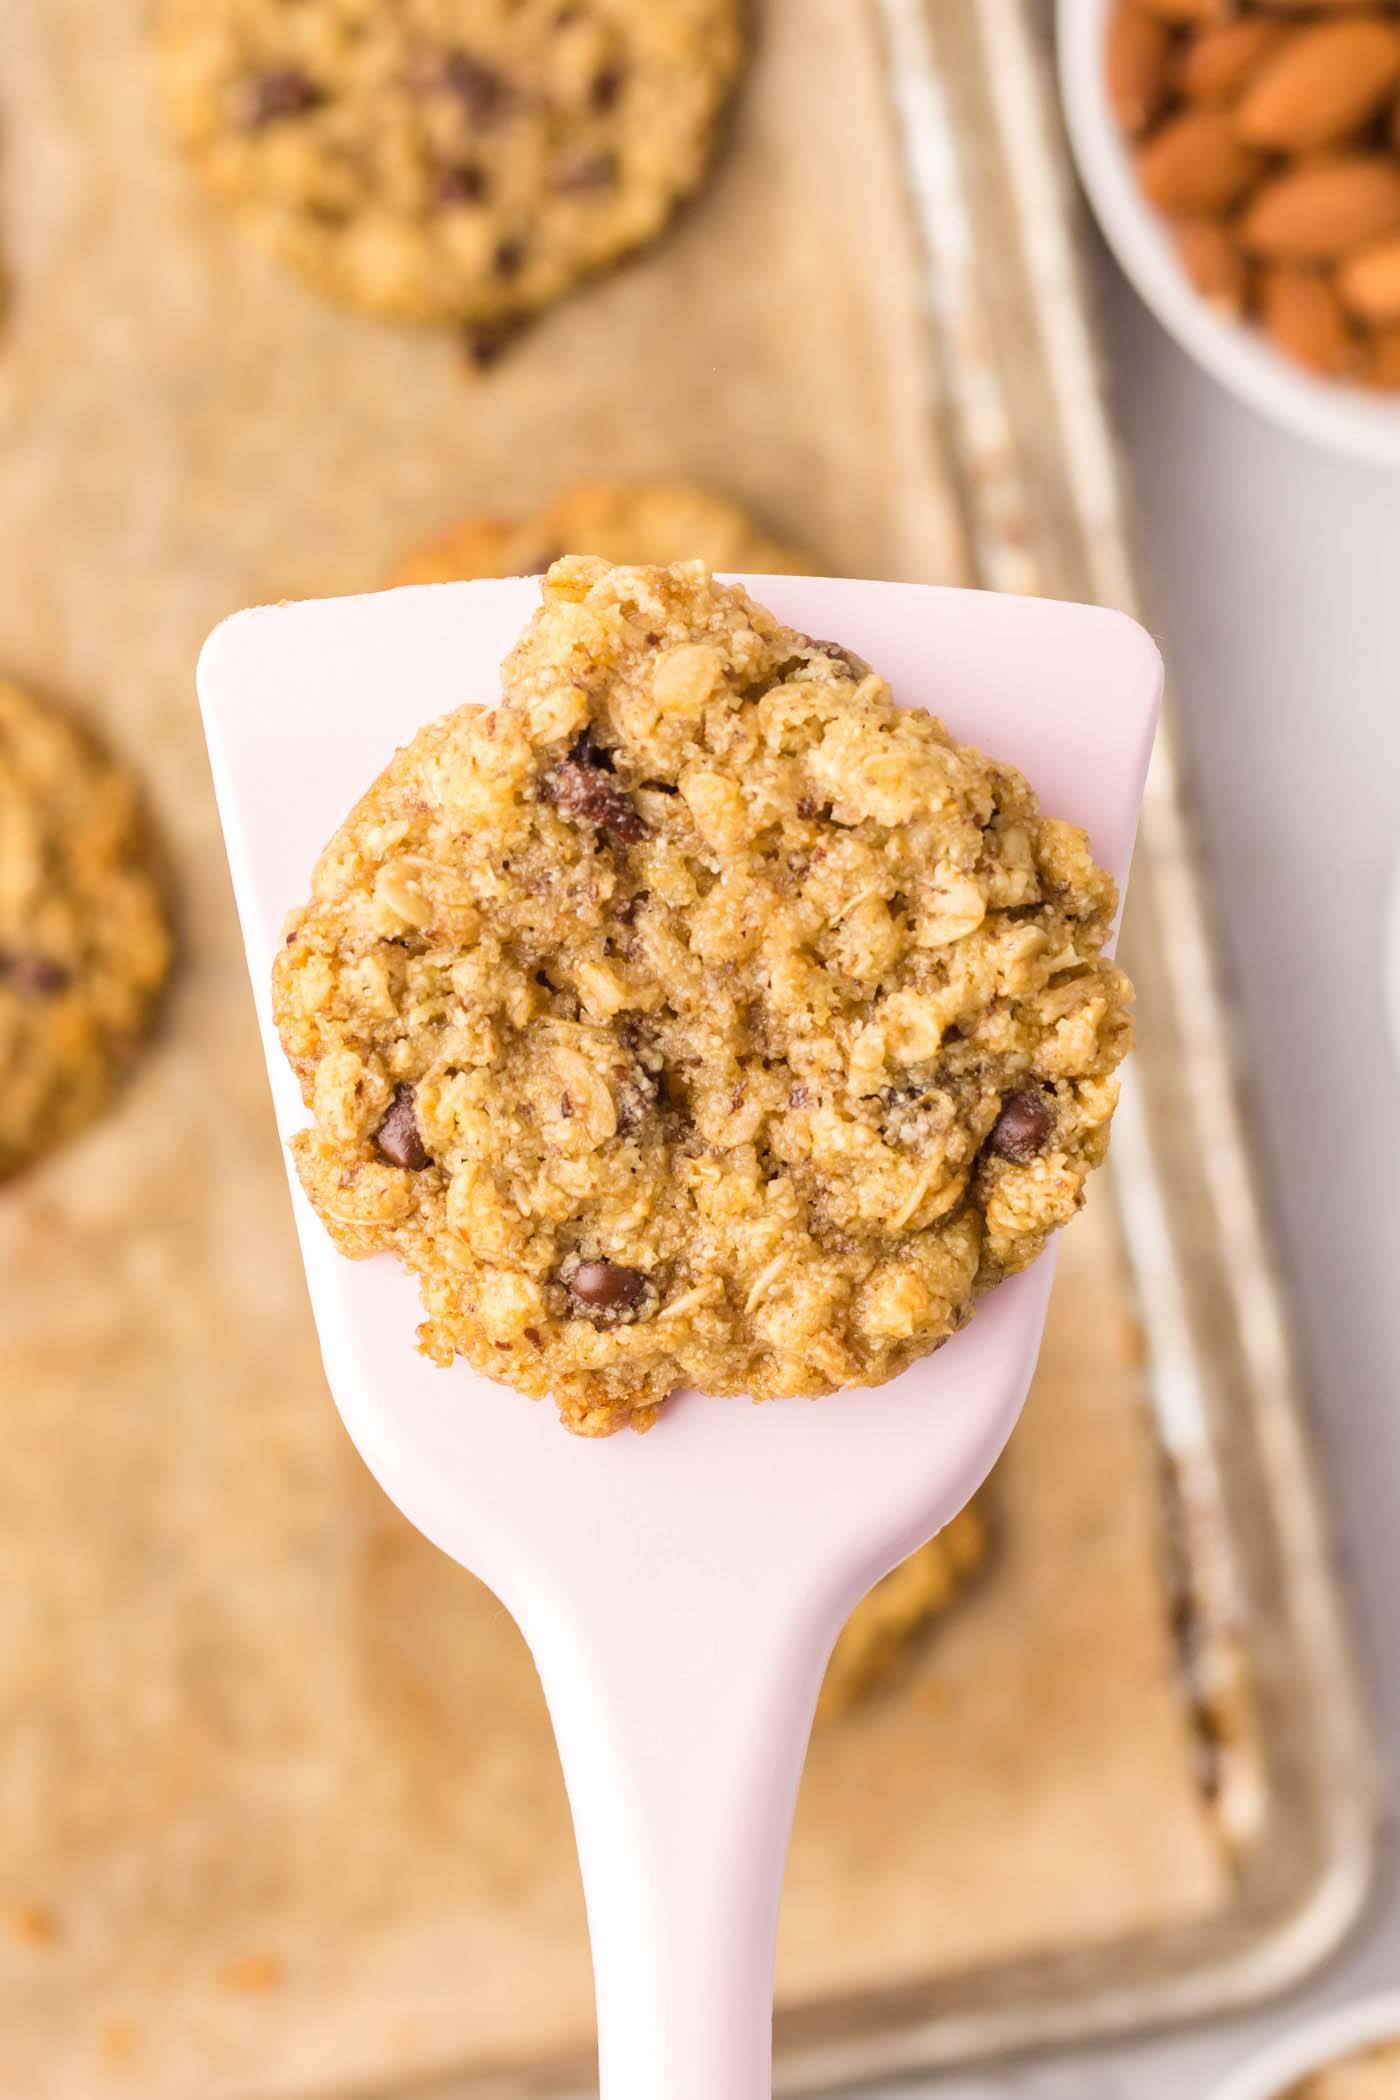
1323	2041
1349	419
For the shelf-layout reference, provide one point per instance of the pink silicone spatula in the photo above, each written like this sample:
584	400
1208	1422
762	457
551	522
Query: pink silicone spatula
680	1590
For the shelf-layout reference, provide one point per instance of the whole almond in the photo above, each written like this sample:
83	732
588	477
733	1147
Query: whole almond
1303	316
1383	361
1369	283
1215	63
1135	66
1212	262
1321	7
1324	209
1195	163
1322	84
1188	10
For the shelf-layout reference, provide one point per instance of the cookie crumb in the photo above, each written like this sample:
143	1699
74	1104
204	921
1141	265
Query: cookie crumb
118	2041
34	1924
251	1974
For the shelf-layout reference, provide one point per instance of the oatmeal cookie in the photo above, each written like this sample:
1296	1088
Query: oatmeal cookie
885	1628
84	942
623	521
449	160
696	1016
1372	2076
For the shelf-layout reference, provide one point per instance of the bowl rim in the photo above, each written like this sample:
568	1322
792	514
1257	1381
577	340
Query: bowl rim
1391	966
1346	419
1327	2039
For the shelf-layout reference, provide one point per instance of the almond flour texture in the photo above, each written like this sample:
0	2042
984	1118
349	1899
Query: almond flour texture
696	1016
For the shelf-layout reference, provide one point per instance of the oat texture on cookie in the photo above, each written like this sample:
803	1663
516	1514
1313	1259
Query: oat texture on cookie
696	1016
84	941
449	161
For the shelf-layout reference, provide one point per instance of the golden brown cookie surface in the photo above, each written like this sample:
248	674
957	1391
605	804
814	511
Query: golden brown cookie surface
622	521
697	1016
84	943
449	160
887	1625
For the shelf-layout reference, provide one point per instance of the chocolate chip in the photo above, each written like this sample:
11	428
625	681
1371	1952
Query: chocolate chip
588	753
284	92
807	806
397	1136
484	342
1023	1125
856	665
461	185
484	94
581	785
34	976
607	86
605	1288
509	258
597	172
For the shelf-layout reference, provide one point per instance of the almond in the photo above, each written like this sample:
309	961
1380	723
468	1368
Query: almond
1212	262
1196	164
1303	316
1324	209
1320	86
1135	66
1369	283
1216	63
1188	10
1383	364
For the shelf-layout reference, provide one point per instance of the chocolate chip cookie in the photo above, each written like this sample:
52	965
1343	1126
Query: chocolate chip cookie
84	940
695	1015
623	521
885	1628
448	161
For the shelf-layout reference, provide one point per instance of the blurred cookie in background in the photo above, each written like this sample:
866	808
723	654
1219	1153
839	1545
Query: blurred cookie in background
623	521
1375	2075
885	1628
449	161
84	936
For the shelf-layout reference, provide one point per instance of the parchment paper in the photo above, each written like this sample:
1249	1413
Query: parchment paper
279	1813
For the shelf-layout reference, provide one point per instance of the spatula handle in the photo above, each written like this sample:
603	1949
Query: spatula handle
682	1719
